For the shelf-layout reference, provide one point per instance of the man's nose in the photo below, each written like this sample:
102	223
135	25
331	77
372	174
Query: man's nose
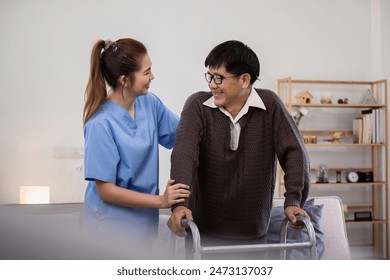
212	84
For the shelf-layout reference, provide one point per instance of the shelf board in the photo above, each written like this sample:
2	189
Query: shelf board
345	145
348	184
337	82
360	244
337	105
359	207
333	170
374	221
345	183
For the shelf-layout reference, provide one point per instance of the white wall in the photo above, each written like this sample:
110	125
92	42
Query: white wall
45	48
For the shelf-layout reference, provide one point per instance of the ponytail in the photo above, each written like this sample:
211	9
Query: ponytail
96	91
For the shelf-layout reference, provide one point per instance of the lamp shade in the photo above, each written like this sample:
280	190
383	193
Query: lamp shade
34	194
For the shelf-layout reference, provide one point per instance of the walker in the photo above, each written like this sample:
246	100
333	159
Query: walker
283	246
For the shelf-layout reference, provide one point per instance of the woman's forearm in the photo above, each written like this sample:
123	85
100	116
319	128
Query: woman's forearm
111	193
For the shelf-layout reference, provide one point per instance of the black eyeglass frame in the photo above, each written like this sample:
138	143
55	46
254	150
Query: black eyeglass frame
218	79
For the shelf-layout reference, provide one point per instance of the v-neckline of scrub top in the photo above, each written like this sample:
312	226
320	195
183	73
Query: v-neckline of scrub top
123	114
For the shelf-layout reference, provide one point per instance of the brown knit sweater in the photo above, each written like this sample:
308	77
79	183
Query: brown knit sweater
232	191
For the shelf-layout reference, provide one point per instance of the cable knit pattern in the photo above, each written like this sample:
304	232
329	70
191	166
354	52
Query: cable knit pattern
232	191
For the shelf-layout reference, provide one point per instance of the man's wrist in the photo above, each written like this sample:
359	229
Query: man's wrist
177	206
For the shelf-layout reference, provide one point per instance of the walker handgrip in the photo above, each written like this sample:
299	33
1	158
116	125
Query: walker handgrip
184	223
301	222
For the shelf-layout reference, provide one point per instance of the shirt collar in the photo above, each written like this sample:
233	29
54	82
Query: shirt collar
254	100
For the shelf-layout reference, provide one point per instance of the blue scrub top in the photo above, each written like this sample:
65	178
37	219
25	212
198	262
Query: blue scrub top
124	151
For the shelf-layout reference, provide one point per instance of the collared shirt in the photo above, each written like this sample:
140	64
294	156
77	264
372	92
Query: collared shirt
254	100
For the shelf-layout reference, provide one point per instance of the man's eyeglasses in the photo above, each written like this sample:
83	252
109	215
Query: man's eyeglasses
218	79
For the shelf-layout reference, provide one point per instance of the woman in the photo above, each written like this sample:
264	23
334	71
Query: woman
122	131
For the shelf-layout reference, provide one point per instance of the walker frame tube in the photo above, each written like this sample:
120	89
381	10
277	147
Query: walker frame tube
283	246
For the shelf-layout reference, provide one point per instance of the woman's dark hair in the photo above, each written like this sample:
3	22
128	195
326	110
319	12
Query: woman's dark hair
109	61
236	57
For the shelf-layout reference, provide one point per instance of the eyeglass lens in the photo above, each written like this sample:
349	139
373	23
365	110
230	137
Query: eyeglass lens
217	78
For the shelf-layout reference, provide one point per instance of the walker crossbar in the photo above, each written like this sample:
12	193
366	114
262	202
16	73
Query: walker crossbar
283	246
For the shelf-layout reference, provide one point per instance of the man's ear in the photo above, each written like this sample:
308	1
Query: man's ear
246	80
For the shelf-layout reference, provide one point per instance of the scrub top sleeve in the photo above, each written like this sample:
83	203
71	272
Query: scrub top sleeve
101	155
167	123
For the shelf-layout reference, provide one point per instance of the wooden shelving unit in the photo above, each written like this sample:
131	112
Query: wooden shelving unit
320	125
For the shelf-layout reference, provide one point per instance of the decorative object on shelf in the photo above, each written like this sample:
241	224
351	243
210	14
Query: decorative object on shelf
299	113
365	176
363	216
345	208
367	97
310	139
338	176
326	98
336	136
342	101
303	97
322	176
352	177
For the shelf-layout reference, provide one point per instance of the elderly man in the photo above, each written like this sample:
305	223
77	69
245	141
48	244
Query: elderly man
226	149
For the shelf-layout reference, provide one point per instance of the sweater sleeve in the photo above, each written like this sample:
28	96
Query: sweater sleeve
185	153
292	157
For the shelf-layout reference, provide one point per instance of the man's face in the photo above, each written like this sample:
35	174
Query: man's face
229	92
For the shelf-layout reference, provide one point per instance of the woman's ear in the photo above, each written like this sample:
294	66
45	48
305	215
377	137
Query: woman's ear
123	80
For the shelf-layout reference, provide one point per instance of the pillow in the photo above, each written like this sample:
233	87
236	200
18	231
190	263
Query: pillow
294	235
